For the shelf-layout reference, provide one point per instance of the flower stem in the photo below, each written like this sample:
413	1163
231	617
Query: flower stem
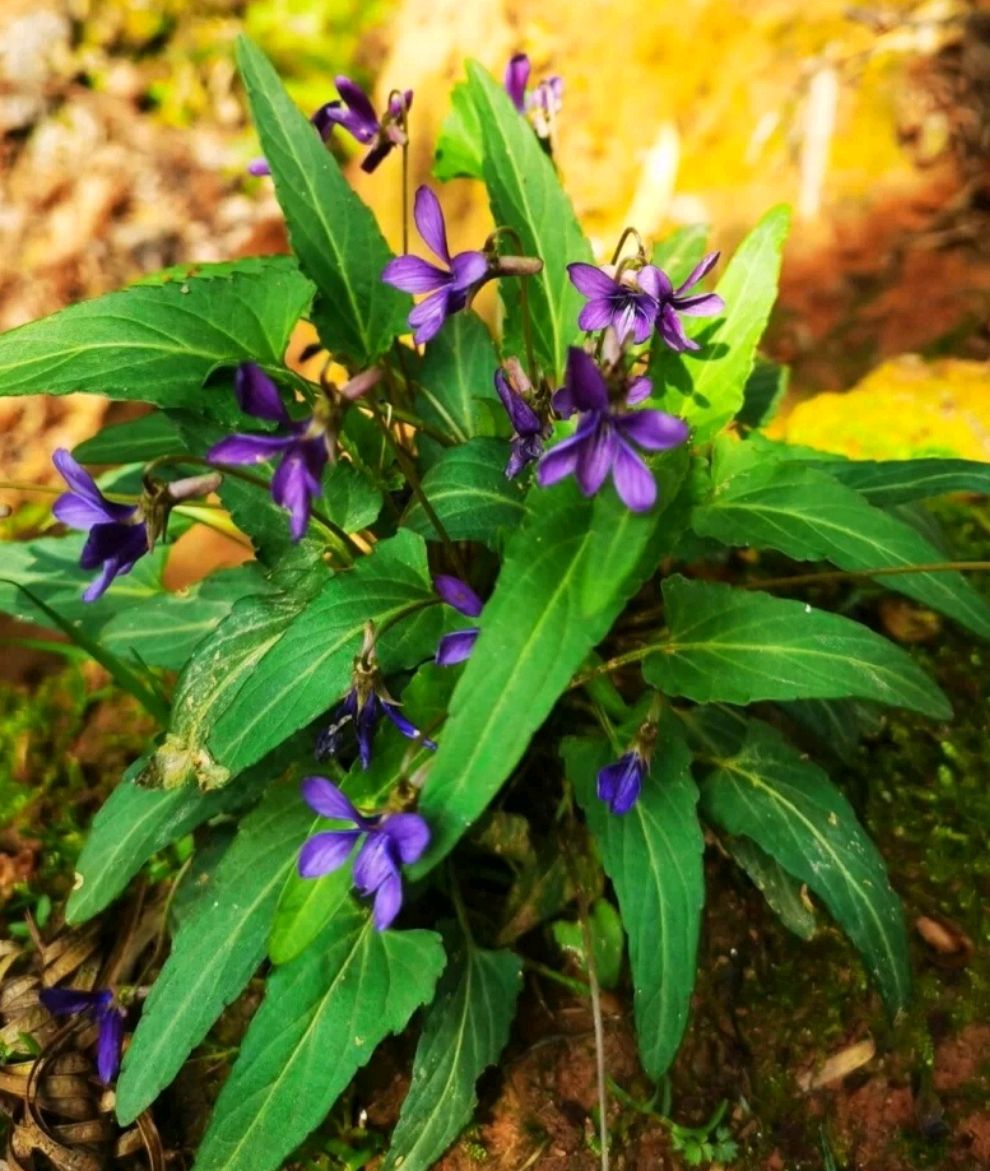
858	574
594	989
405	197
626	233
19	486
412	478
342	541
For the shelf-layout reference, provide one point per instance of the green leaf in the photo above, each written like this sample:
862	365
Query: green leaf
897	481
464	1031
455	385
678	253
708	388
806	514
552	603
526	195
135	823
653	855
837	724
727	645
320	1021
764	391
459	144
49	568
158	343
332	232
278	663
780	890
789	807
607	941
350	499
137	683
469	493
135	441
164	631
216	951
306	905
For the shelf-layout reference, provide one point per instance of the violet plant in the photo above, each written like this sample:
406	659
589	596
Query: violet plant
495	577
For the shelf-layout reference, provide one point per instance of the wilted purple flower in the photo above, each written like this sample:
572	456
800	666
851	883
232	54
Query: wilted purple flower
365	715
118	534
530	430
629	305
450	287
456	647
619	783
108	1015
603	442
304	447
357	115
673	301
390	841
542	104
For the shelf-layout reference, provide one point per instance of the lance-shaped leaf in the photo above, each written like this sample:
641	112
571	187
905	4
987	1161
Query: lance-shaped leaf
464	1031
276	664
306	905
782	892
135	823
568	571
526	195
158	343
806	514
320	1021
332	232
49	568
455	391
653	856
459	145
727	645
134	441
164	630
707	388
216	950
899	481
468	491
680	251
790	808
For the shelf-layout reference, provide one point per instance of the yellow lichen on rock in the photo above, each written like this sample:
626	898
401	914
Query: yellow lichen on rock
906	407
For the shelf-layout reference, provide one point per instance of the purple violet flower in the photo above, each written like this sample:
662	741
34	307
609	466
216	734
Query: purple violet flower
619	784
390	841
118	534
109	1017
530	431
673	301
304	447
541	105
629	305
603	442
456	647
365	714
450	288
356	115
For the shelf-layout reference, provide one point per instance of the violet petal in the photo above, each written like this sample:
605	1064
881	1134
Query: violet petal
326	799
326	852
633	480
409	834
458	594
654	430
456	647
429	220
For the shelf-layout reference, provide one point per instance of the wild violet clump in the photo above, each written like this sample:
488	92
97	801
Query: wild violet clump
495	622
